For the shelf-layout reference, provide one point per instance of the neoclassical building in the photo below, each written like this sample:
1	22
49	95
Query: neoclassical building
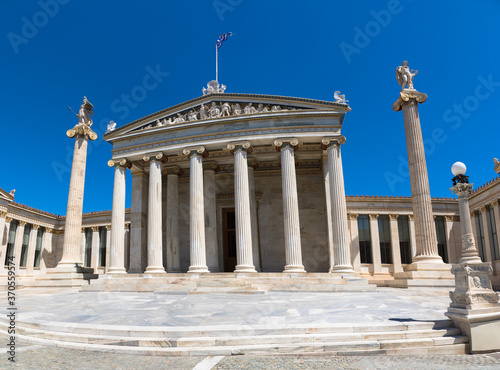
242	183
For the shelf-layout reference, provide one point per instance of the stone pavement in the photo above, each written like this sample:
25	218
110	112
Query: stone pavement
41	357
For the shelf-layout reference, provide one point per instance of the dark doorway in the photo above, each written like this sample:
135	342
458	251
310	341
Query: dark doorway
229	238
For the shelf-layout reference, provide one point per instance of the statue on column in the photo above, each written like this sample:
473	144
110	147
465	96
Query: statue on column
85	112
405	75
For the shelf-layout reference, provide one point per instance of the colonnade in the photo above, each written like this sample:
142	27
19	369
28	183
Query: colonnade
202	234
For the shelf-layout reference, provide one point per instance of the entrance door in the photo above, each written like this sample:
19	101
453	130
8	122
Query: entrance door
229	238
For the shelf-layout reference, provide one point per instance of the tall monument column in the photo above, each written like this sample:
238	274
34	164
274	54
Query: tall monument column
198	254
340	230
72	248
293	247
155	252
244	253
117	247
425	231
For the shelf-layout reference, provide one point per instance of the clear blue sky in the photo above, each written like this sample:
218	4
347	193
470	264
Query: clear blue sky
55	52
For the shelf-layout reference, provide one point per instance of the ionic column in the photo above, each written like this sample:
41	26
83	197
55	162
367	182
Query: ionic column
487	244
474	215
293	249
496	211
94	260
30	262
18	243
425	231
83	244
117	247
252	166
127	245
196	210
138	220
72	247
356	259
396	251
413	239
47	251
450	239
4	237
328	211
340	231
108	249
375	237
172	219
209	187
244	254
155	259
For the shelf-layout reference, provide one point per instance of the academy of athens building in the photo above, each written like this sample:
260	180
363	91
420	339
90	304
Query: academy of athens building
241	182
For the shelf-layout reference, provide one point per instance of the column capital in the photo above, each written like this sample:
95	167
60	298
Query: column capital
8	219
211	166
494	203
408	97
461	189
473	213
22	223
252	162
49	230
81	130
448	218
95	228
329	141
410	217
108	227
155	157
352	216
240	145
482	209
286	143
119	162
373	216
35	227
3	214
196	150
393	217
174	170
127	226
83	229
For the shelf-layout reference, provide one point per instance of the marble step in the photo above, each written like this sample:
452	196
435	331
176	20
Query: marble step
420	347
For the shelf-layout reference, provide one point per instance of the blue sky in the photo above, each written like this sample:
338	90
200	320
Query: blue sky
52	53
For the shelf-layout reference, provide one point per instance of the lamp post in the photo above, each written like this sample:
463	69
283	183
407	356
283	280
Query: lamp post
474	306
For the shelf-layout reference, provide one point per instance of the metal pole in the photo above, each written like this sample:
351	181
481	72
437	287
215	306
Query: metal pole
216	63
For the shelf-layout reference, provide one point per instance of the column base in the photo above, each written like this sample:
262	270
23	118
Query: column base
116	271
341	269
243	268
427	259
155	270
198	269
72	267
294	268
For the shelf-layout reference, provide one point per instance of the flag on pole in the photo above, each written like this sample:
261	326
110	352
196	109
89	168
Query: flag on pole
222	38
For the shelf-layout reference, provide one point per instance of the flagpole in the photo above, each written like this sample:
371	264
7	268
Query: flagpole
216	63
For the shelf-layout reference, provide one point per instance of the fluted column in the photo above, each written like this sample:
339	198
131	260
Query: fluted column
4	237
172	219
293	248
196	210
469	250
340	231
18	243
47	251
487	242
413	239
496	212
356	258
244	254
155	259
138	220
117	247
209	194
94	261
375	238
425	231
396	251
30	261
108	248
328	211
72	247
252	166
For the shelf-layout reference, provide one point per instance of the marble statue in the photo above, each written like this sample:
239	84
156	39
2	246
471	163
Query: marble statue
236	109
497	165
225	110
158	123
250	109
275	108
222	88
192	115
12	192
203	112
405	75
214	111
213	87
180	118
85	112
111	126
339	98
168	121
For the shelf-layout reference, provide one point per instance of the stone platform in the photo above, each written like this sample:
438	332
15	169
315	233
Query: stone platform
387	321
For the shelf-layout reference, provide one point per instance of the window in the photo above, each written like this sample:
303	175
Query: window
102	246
38	249
404	239
493	232
365	243
25	245
88	247
441	238
384	230
10	241
480	237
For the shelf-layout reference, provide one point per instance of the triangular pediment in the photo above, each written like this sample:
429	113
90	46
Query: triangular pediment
4	195
221	107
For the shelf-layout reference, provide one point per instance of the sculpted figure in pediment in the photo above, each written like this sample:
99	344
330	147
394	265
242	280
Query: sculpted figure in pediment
214	111
192	115
203	112
237	109
275	108
250	109
226	110
180	118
